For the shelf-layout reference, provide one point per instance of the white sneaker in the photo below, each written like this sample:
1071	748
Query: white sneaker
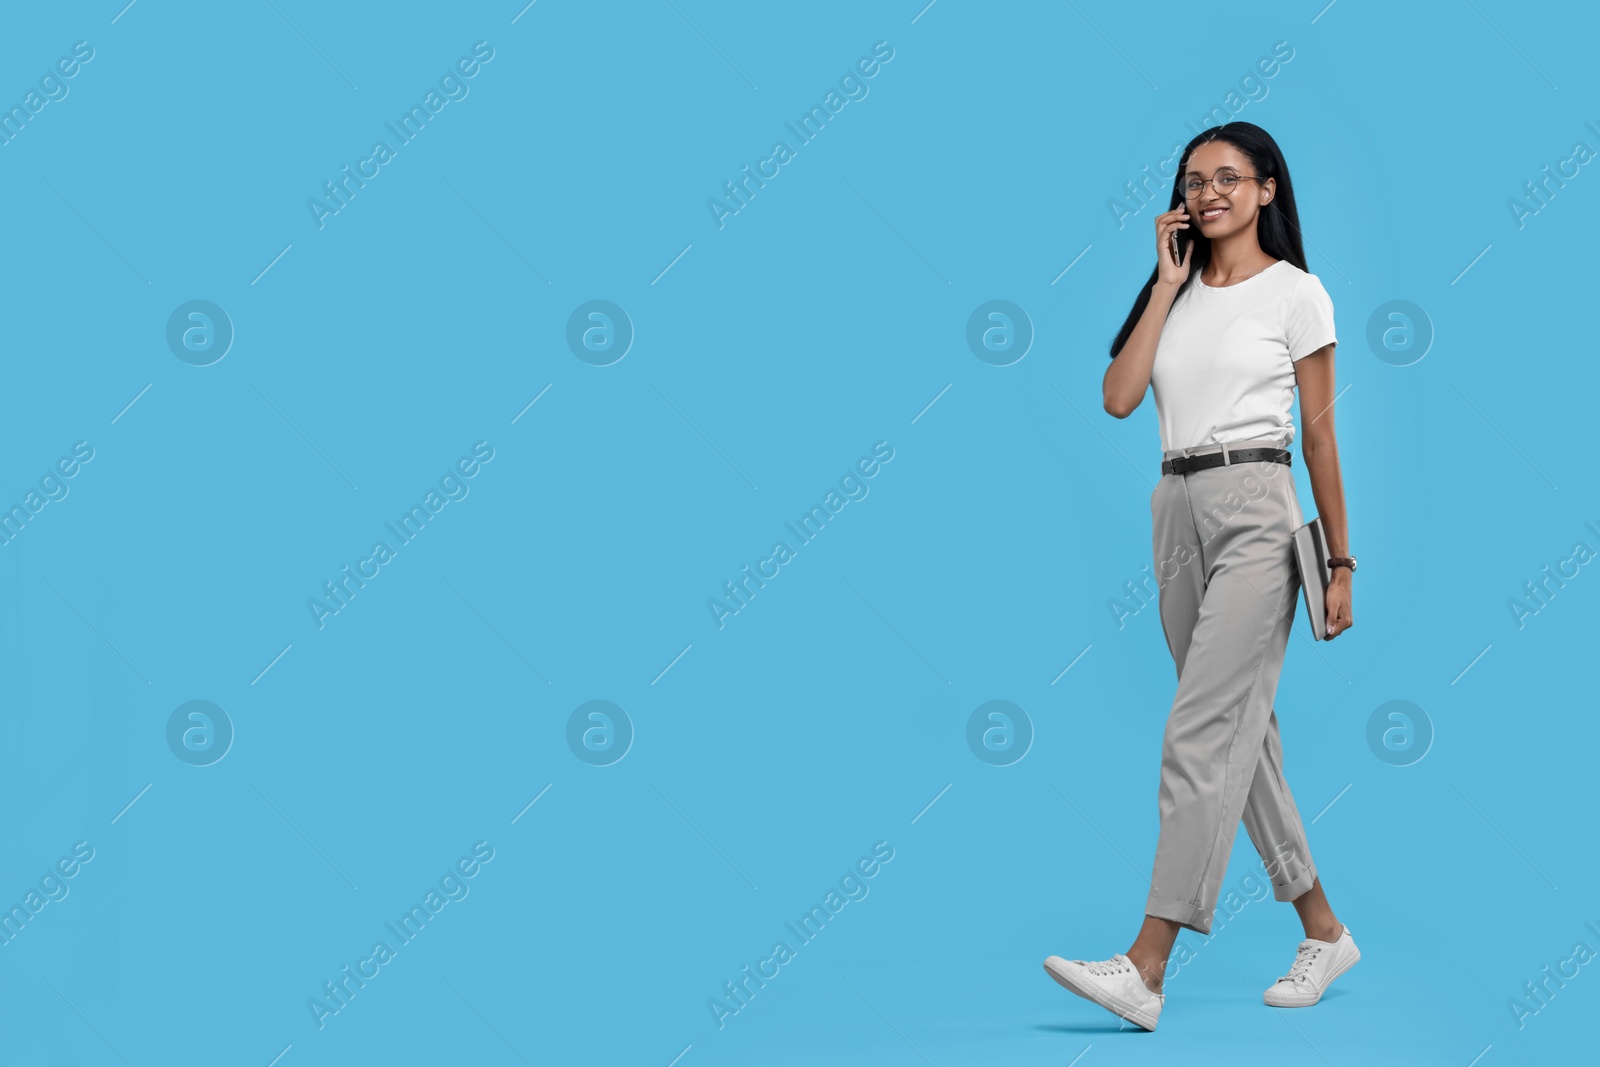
1316	965
1113	984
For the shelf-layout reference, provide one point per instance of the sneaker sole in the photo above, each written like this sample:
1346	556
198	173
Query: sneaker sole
1118	1007
1301	1001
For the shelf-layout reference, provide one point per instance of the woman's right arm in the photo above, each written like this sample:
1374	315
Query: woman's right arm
1128	377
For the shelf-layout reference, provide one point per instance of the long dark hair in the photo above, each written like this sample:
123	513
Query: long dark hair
1277	225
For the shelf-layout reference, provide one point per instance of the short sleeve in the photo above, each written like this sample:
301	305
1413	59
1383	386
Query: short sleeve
1309	324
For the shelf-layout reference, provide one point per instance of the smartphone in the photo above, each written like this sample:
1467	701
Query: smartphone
1177	250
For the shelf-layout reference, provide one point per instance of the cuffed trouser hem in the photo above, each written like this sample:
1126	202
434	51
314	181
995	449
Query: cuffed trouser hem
1296	886
1190	916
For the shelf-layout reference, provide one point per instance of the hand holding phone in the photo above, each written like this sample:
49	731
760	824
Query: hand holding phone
1176	221
1178	247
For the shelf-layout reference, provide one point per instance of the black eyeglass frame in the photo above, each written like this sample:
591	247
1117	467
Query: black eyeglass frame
1212	182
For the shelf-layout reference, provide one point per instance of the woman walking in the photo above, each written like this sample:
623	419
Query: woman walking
1224	336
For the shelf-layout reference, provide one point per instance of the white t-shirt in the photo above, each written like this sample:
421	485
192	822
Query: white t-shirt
1224	366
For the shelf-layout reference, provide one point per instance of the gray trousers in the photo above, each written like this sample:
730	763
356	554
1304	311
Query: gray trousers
1228	593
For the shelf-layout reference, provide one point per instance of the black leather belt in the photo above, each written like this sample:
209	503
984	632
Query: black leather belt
1188	464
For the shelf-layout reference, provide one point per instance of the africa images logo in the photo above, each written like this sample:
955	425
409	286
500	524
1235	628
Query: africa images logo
852	487
852	87
452	87
453	886
852	886
453	486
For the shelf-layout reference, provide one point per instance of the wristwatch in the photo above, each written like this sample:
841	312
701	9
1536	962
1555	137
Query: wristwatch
1342	561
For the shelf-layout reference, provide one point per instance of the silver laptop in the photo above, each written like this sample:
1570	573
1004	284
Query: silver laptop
1311	558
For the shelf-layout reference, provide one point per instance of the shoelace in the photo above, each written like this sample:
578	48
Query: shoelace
1304	957
1103	968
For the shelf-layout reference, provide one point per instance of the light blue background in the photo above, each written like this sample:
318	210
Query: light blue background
769	755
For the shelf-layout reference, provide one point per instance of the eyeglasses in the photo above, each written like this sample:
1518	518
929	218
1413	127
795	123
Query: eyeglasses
1225	182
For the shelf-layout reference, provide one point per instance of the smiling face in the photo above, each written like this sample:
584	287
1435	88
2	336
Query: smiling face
1219	212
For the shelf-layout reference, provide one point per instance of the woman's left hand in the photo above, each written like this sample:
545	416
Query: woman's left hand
1338	603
